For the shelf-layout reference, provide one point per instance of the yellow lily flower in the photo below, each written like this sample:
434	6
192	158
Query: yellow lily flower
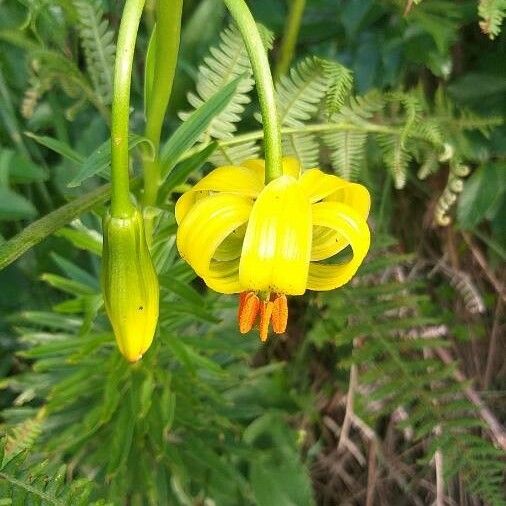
269	241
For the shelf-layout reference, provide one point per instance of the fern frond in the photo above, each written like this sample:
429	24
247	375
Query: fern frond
396	157
37	87
454	186
340	83
396	352
347	152
492	13
225	62
99	48
298	97
430	130
304	147
52	67
429	166
412	112
464	285
234	154
26	483
455	119
299	93
23	436
361	108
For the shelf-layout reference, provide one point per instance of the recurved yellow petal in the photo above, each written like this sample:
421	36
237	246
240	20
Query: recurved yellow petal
231	247
326	243
354	195
223	277
317	185
350	225
277	245
208	223
227	179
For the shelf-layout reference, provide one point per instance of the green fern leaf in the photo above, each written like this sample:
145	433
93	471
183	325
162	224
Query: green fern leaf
429	166
492	13
361	108
298	97
340	83
23	436
27	483
234	154
396	157
302	146
99	48
299	93
226	62
347	152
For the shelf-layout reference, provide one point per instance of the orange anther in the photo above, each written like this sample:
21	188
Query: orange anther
265	319
279	316
249	306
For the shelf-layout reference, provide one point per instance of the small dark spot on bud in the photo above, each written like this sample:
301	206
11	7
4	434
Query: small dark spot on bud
141	308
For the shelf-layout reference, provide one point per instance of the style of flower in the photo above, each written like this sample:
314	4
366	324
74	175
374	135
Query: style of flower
268	241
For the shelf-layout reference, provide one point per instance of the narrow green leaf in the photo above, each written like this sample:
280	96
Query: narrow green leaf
14	206
189	132
100	160
182	170
183	290
481	193
75	272
21	169
67	285
57	146
149	70
122	436
82	237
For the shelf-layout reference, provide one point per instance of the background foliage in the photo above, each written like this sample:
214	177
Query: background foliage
388	391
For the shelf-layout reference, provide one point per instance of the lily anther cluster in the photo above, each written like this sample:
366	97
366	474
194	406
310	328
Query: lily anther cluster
266	241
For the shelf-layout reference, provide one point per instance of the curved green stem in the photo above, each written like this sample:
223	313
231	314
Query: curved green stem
167	37
120	198
265	87
290	36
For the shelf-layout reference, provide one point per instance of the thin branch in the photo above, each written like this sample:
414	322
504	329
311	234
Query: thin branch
345	430
482	262
440	484
493	344
371	474
409	6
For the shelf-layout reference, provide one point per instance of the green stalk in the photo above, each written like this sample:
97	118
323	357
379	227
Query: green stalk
265	87
121	205
290	36
167	34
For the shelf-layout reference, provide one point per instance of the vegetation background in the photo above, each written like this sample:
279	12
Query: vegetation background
390	391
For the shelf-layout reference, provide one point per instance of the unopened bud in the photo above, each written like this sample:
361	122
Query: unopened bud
129	284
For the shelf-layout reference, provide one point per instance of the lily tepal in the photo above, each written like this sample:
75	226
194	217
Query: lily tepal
129	284
266	241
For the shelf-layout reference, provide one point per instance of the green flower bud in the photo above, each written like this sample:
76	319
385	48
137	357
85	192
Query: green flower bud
129	284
